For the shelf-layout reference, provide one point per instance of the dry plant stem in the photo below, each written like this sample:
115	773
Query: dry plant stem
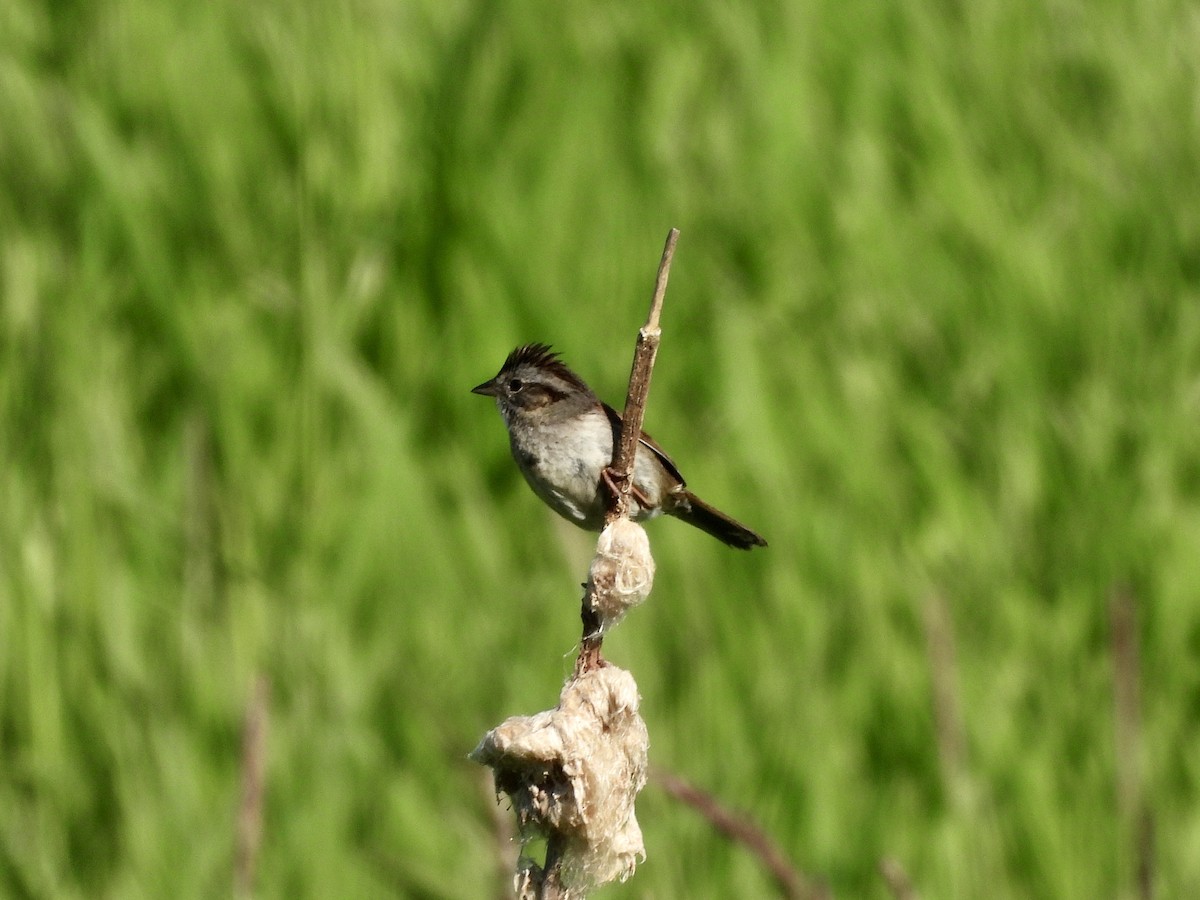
575	771
943	669
200	514
639	383
551	887
621	470
1136	821
250	810
505	837
572	775
545	883
791	883
897	879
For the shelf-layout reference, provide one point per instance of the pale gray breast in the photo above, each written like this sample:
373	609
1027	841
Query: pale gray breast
562	463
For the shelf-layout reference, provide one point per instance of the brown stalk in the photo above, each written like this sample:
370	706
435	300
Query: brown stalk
1136	820
250	809
545	882
621	472
897	879
943	670
504	834
792	884
200	513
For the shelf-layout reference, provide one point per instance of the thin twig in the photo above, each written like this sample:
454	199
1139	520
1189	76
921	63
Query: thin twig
639	385
943	670
1145	854
504	834
200	513
897	879
544	882
792	884
1136	820
624	452
250	810
552	886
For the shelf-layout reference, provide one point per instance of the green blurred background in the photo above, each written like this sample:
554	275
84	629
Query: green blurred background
933	328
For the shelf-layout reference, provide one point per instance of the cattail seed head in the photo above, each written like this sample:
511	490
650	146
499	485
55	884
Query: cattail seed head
622	571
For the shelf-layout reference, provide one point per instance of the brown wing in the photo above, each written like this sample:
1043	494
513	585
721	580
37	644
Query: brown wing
614	419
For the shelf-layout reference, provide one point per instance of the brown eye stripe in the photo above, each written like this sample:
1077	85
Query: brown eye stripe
535	396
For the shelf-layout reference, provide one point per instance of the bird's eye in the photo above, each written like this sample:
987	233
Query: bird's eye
515	385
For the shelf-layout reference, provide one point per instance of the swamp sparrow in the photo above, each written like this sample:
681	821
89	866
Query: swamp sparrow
562	439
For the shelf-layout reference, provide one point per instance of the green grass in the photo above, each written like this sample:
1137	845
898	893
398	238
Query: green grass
933	328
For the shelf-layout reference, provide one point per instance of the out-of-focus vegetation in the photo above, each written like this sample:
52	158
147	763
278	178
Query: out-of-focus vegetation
933	328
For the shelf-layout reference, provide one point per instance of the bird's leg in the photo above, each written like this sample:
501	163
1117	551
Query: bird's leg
619	484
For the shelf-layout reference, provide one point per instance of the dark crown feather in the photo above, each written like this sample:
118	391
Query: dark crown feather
542	357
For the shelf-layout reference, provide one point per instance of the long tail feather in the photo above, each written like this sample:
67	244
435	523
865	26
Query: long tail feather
711	520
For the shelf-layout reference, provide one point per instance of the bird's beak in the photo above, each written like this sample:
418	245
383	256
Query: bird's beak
488	388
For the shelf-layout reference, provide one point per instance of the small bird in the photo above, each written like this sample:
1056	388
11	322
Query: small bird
562	438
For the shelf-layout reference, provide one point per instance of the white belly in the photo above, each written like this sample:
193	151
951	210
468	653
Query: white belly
563	467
